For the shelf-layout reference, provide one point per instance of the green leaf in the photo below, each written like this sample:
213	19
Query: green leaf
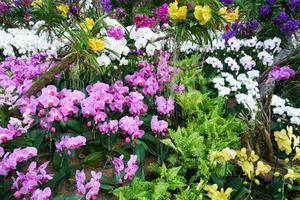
56	160
93	158
57	179
173	172
140	152
169	143
106	187
63	197
75	125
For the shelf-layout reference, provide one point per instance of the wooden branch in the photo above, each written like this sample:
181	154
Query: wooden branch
48	76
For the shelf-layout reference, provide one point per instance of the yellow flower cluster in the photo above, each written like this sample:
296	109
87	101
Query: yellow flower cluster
285	138
214	194
37	3
203	14
177	13
64	9
96	44
88	24
229	15
291	175
226	154
247	160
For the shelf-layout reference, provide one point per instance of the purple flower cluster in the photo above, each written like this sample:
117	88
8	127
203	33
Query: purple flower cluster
129	171
4	7
115	32
178	88
91	188
161	13
10	160
118	13
52	105
229	34
226	2
142	20
25	184
265	10
290	26
294	4
15	128
106	6
281	73
158	126
41	194
252	25
70	143
17	73
280	18
270	2
130	127
244	28
131	168
164	106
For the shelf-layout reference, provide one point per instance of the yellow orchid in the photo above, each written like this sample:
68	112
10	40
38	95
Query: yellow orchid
283	140
296	140
229	15
248	168
211	188
214	155
96	44
177	13
214	194
203	14
226	154
262	168
222	11
291	175
242	154
64	9
37	3
253	157
297	156
233	16
88	24
200	185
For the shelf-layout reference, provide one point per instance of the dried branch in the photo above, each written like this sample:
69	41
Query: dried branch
48	76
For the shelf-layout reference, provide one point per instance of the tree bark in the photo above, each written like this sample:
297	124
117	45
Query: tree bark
48	76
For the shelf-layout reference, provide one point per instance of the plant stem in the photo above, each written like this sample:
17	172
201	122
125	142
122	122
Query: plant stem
109	142
48	76
249	189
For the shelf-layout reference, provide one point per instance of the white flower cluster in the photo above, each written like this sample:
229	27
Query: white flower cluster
233	45
281	107
144	38
27	42
118	49
215	62
248	62
8	97
232	64
238	75
266	58
245	88
85	5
